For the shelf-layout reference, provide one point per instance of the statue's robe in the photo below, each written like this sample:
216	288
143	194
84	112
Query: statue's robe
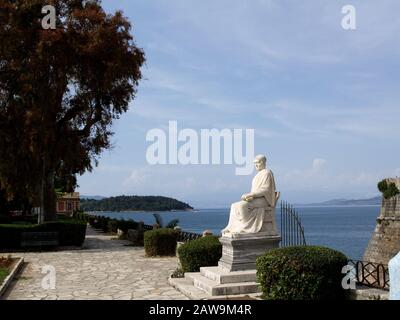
248	216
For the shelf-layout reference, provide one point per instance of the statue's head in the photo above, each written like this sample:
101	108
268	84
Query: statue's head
260	162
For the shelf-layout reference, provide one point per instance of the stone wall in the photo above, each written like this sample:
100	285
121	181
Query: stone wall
385	241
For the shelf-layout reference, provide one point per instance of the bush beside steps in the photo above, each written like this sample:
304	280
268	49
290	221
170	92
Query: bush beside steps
301	273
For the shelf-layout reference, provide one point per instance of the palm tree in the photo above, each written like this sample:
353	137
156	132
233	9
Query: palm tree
159	221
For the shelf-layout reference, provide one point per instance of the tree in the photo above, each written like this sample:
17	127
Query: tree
159	221
61	90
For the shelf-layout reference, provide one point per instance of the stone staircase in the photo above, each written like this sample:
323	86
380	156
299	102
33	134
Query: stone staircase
217	282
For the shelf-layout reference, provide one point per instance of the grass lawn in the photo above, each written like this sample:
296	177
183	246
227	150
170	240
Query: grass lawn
5	265
3	274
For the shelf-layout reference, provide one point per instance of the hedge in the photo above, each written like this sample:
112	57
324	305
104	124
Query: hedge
82	216
301	273
7	219
112	226
125	225
100	223
160	242
71	232
202	252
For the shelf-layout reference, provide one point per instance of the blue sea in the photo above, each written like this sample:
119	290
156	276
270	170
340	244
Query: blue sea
347	229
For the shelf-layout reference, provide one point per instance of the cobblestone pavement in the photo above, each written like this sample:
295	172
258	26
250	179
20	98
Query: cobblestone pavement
104	269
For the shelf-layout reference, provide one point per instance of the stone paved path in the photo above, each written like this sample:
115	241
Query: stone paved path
104	269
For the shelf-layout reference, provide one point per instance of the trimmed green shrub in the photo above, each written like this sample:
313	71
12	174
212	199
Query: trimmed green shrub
6	219
91	220
160	242
71	232
301	273
82	216
125	225
101	223
202	252
112	226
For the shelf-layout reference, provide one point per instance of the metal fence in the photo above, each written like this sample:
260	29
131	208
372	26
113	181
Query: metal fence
183	236
292	231
371	274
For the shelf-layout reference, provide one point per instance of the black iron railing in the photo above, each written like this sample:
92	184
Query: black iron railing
147	227
375	275
292	231
183	236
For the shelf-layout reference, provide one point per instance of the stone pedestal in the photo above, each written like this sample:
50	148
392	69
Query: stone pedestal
236	271
240	252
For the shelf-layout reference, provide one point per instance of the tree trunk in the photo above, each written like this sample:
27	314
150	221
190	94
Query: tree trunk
47	197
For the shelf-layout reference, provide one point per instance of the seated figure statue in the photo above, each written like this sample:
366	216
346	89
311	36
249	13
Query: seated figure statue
249	214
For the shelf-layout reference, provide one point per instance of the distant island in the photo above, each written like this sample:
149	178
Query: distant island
345	202
91	197
133	203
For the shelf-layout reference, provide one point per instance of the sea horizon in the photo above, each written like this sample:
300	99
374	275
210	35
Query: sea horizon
344	228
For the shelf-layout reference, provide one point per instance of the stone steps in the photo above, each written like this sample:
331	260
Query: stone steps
185	286
214	282
222	276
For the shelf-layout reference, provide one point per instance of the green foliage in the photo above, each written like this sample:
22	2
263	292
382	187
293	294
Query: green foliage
5	263
107	224
125	225
133	203
391	191
3	274
301	273
90	66
382	186
160	242
18	219
202	252
112	226
81	216
178	273
388	190
159	221
172	224
71	232
100	223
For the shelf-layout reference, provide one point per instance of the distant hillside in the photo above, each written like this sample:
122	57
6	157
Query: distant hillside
134	203
344	202
92	197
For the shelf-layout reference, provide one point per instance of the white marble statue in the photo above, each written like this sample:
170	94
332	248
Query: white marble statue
394	278
248	215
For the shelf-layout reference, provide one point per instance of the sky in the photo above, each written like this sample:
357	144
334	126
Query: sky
323	101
